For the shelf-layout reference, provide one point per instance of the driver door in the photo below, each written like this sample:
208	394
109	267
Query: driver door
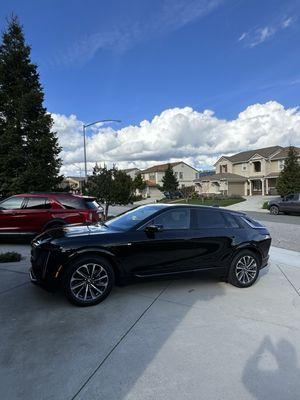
163	252
10	215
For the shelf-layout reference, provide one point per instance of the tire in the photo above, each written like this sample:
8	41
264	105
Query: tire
244	269
88	281
274	210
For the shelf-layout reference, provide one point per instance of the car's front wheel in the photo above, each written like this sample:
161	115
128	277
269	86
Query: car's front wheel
88	281
274	210
244	269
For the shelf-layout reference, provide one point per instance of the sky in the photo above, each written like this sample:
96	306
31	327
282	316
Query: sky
189	79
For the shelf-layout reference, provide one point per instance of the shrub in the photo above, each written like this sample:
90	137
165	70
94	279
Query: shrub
265	205
10	256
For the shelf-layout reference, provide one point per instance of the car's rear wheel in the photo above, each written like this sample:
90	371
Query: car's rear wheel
274	210
88	281
244	269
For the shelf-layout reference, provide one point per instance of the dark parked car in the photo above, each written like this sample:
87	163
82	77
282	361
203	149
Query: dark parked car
32	213
173	195
288	204
148	241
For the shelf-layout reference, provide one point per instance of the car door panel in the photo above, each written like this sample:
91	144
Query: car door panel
161	253
10	218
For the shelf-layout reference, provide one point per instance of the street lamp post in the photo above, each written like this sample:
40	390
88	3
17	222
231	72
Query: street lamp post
84	139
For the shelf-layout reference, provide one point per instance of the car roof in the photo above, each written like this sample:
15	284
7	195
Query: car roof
55	194
172	205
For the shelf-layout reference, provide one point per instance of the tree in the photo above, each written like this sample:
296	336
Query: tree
187	192
139	183
29	150
170	183
289	178
110	186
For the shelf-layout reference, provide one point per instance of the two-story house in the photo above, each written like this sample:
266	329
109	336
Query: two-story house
132	172
246	173
153	176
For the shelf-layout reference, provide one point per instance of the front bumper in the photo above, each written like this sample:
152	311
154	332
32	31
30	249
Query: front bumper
265	262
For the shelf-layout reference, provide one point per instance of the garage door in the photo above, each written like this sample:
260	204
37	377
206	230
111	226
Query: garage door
236	188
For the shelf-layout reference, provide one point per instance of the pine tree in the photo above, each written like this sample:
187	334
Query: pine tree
139	183
289	178
170	183
29	150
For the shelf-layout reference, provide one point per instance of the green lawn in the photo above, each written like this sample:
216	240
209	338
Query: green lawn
206	202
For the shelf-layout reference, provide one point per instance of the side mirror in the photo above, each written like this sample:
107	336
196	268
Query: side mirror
153	228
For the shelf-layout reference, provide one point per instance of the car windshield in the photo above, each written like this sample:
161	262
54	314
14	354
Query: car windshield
133	217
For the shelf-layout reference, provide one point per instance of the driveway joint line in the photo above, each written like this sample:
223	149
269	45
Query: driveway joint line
11	270
14	287
293	286
120	341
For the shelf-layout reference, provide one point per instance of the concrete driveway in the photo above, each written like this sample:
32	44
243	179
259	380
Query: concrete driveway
252	203
179	339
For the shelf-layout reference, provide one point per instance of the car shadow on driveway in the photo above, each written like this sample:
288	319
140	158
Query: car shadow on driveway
51	349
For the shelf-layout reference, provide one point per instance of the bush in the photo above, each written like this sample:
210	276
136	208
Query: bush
10	256
137	198
265	205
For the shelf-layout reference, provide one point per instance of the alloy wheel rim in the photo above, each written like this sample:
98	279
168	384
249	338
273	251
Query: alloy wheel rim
246	269
274	210
89	282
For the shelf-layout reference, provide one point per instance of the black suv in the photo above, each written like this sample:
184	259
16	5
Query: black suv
149	241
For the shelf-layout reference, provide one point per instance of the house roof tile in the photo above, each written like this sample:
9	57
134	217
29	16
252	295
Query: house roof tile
161	167
224	176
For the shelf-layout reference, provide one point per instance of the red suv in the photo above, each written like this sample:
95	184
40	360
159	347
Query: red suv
29	214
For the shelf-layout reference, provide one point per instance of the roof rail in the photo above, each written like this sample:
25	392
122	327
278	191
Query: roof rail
49	192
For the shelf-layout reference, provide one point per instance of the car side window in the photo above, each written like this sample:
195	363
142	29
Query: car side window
174	219
231	220
291	197
14	203
38	203
208	219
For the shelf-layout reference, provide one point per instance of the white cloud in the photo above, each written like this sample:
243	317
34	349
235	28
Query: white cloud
259	35
242	37
287	22
198	138
170	16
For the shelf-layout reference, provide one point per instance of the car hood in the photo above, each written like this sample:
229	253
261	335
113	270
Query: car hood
73	231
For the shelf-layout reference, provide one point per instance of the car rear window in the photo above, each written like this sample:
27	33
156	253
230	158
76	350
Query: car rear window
92	204
72	202
231	220
208	219
38	203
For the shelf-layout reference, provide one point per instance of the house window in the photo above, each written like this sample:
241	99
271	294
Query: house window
152	177
257	166
180	175
196	175
244	167
176	174
281	165
223	169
